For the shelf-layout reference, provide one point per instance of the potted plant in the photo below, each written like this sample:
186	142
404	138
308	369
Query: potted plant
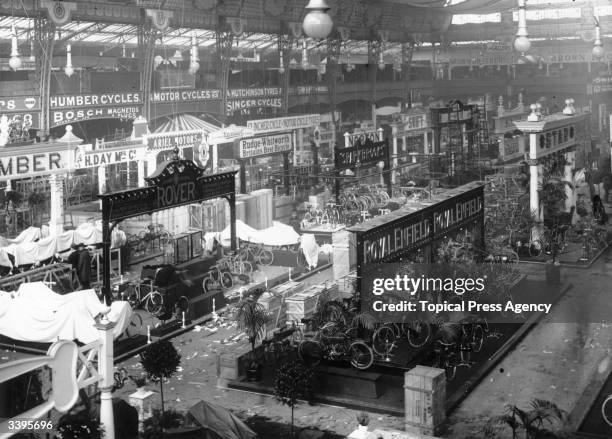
251	318
35	201
157	426
77	425
363	419
293	381
139	382
160	360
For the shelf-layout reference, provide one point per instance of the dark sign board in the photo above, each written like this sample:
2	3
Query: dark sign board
177	183
362	154
386	238
454	112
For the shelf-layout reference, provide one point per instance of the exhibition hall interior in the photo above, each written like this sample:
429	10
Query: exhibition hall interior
305	219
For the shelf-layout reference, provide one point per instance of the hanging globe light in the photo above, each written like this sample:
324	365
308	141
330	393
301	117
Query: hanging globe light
521	42
68	70
317	23
598	51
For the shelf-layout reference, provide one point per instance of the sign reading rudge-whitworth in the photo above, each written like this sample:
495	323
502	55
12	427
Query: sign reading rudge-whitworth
264	145
284	123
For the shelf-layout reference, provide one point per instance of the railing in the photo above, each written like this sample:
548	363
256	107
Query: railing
61	276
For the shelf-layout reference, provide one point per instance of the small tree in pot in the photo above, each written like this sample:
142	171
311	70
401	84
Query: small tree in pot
160	360
293	381
251	318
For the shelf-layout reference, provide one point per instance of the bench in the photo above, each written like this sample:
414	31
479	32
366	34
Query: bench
339	381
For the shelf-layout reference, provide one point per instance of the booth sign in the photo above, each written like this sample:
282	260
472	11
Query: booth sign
360	138
185	96
19	103
91	159
284	123
370	152
264	145
229	134
169	141
27	165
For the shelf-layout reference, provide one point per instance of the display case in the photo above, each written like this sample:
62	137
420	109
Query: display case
187	246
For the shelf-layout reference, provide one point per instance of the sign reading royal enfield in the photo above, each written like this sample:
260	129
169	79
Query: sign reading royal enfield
229	134
185	96
29	164
390	236
19	103
359	138
92	159
284	123
169	141
264	145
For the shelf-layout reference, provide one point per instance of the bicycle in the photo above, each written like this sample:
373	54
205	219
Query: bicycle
153	301
606	410
217	279
256	253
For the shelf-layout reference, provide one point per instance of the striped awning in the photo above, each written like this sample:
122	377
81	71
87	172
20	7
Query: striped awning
186	122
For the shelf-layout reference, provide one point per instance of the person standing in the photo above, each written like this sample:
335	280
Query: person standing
599	211
84	268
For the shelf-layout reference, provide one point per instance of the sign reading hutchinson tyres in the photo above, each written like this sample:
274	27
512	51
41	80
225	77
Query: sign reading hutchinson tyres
77	108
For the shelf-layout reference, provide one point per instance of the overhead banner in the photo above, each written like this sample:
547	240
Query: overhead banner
92	159
23	121
602	84
185	96
95	100
264	145
19	103
284	123
62	117
247	98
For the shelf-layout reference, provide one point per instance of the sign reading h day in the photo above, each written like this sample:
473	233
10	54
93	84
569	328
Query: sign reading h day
284	123
264	145
91	159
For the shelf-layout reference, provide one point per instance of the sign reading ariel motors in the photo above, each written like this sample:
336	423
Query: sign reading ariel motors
77	108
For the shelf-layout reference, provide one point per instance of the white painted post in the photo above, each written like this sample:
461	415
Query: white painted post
394	171
568	175
347	142
105	369
139	399
56	220
215	157
141	173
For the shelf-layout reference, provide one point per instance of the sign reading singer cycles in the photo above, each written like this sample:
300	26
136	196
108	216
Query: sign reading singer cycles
77	108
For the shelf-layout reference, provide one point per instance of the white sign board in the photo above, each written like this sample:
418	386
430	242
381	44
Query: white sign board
229	134
264	145
92	159
284	123
30	164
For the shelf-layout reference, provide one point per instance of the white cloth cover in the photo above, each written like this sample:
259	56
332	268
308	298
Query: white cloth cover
88	234
309	246
209	240
37	314
278	235
30	234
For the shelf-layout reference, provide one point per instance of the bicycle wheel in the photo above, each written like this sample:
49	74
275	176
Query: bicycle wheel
361	355
208	284
134	326
307	217
606	410
155	303
418	333
310	352
245	267
477	338
226	279
383	338
164	238
324	218
535	248
266	257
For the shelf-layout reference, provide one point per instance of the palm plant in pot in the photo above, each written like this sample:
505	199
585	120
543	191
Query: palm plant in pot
251	318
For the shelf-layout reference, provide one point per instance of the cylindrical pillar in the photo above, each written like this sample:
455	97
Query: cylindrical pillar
568	175
286	172
101	181
106	371
295	148
242	177
141	173
394	171
56	217
215	157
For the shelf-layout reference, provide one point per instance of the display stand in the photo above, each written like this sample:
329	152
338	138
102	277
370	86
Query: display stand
175	183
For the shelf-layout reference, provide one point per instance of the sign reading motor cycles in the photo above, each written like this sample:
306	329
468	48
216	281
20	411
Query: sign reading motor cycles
78	108
264	145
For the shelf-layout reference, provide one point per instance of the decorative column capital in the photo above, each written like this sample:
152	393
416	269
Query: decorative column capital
532	162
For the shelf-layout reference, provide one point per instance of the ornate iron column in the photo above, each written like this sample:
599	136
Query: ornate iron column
285	43
147	35
407	52
374	50
44	35
334	44
225	40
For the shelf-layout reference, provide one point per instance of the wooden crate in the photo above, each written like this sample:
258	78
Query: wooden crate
424	399
287	289
304	303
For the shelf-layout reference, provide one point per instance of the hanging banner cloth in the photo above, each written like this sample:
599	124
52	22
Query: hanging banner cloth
35	313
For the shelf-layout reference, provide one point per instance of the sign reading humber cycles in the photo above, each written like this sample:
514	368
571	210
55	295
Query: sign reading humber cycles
370	152
264	145
95	100
284	123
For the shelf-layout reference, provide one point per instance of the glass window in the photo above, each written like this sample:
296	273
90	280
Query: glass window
549	14
476	18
